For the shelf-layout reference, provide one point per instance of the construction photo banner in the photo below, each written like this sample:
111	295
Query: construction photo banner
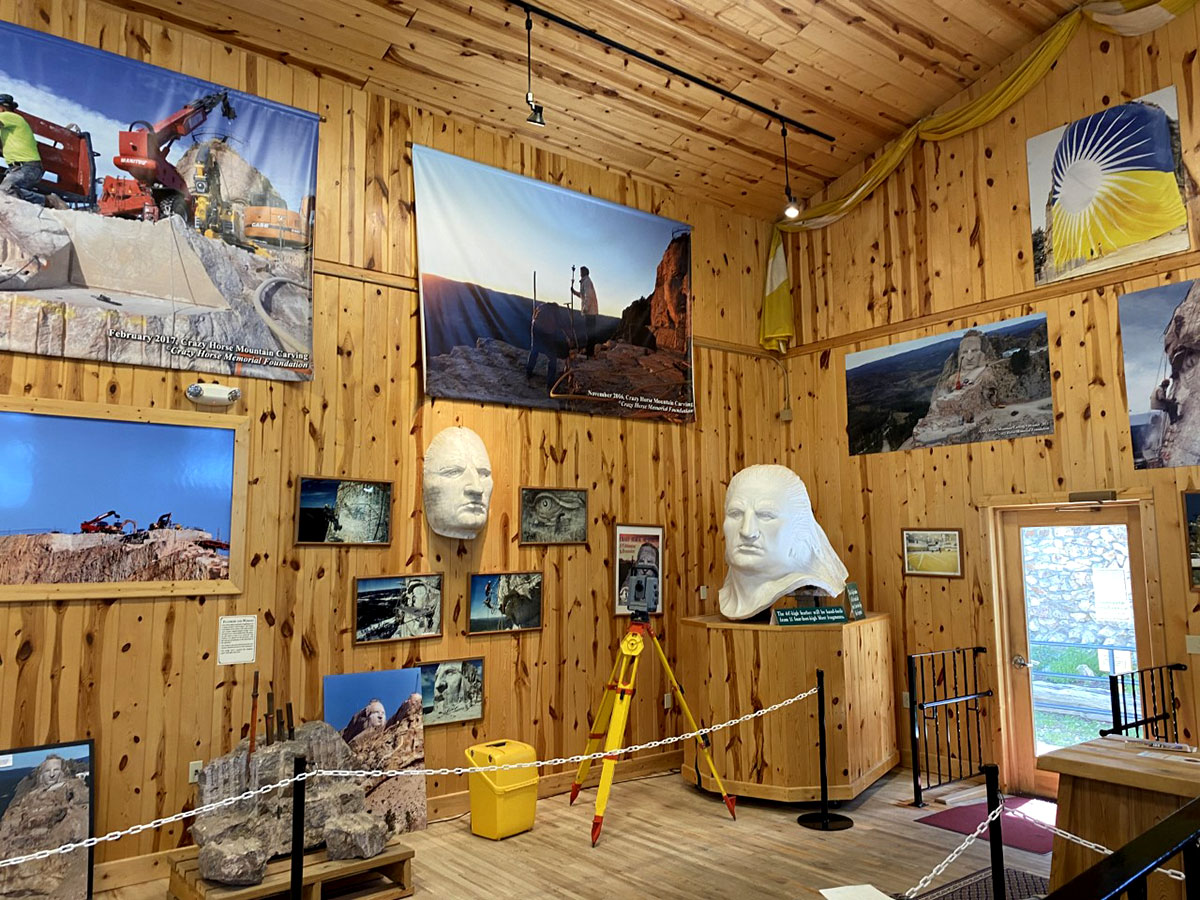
538	296
151	219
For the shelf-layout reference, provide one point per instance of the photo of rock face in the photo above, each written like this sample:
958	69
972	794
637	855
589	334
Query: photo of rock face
452	691
379	715
987	383
553	516
510	602
392	608
45	802
338	511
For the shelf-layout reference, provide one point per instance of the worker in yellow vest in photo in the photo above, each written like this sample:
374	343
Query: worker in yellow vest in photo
20	151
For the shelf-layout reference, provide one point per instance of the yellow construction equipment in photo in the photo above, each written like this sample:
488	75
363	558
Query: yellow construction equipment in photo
613	714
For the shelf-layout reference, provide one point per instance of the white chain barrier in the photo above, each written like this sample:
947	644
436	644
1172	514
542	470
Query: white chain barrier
393	773
995	814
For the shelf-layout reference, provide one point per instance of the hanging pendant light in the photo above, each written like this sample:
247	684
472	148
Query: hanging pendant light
792	209
535	114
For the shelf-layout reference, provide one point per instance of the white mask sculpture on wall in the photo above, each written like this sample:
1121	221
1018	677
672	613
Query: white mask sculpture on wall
457	483
773	545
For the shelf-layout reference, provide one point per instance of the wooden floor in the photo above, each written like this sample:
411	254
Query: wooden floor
665	839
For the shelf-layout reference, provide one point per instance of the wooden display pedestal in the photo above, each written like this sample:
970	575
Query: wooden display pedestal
387	876
731	668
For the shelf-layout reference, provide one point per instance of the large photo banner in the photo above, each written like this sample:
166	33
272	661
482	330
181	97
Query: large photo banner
539	296
149	218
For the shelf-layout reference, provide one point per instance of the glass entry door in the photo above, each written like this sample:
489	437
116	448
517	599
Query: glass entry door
1074	597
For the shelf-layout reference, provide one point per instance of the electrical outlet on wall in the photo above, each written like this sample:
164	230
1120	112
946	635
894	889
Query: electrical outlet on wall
904	701
668	700
1193	643
704	592
194	768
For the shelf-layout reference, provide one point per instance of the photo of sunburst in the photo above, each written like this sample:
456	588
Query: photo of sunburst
1109	189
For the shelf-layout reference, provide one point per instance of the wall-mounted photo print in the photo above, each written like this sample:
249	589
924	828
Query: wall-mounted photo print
97	502
396	607
932	552
379	715
553	516
1109	189
342	511
985	383
640	571
507	602
1191	531
535	295
46	801
452	691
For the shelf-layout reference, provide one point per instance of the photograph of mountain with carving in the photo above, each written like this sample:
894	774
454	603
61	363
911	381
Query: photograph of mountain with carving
535	295
162	220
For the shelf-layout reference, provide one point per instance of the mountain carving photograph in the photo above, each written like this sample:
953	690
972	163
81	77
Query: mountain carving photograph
986	383
164	221
535	295
98	500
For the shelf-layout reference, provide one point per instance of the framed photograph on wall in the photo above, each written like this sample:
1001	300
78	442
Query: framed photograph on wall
553	515
452	691
343	511
46	800
932	551
507	602
397	607
1191	532
107	501
640	566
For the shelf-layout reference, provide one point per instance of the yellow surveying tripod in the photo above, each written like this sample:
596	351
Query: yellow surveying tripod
613	714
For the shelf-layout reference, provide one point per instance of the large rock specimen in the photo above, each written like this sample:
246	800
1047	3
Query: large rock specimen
232	839
354	836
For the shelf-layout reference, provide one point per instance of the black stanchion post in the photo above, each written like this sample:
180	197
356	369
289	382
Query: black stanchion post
823	820
991	774
299	767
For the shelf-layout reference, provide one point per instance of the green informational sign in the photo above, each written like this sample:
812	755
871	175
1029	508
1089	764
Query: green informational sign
810	615
856	607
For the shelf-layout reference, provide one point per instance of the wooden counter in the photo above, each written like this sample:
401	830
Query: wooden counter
1110	794
730	668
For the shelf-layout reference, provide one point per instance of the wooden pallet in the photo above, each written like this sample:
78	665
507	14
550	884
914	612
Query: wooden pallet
387	876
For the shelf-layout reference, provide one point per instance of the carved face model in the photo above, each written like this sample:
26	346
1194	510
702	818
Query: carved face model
51	773
773	545
970	352
457	483
376	714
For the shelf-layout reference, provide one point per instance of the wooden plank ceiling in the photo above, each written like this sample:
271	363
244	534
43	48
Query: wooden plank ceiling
860	70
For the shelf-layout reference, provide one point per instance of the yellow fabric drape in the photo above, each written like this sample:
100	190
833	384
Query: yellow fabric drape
776	328
1122	17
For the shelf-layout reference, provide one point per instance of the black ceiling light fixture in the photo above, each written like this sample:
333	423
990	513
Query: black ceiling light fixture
535	109
792	209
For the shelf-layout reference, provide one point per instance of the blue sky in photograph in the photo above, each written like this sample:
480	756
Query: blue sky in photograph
57	471
102	93
347	694
481	225
29	759
1144	317
863	357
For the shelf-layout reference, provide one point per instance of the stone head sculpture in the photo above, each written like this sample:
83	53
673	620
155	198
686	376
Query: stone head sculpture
773	545
457	483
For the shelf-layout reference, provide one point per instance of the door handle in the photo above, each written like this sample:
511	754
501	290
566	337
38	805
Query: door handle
1020	662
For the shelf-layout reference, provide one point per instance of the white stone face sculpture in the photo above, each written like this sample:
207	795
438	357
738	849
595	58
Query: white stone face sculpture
457	483
773	545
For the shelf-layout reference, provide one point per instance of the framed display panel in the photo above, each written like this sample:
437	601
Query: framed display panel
935	552
505	602
553	515
50	785
397	608
638	550
343	512
120	501
452	691
1191	535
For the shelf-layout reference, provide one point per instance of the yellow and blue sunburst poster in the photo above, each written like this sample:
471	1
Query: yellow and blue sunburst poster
1108	189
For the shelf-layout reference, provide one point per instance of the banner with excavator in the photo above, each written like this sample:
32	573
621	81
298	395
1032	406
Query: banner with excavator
148	218
535	295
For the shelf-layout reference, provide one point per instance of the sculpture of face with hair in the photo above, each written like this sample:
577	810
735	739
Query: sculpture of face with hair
457	483
773	545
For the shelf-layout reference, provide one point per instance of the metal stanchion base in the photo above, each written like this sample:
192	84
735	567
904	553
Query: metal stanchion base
824	821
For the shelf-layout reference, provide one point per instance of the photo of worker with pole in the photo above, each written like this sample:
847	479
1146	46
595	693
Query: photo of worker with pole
149	218
539	296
